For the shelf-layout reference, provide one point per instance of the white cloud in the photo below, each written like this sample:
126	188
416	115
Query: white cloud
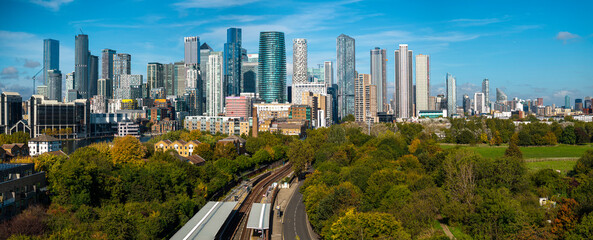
566	36
466	22
562	93
9	73
187	4
31	63
54	5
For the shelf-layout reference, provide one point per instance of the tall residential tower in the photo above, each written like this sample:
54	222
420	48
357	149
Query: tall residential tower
403	83
272	67
346	74
379	76
422	82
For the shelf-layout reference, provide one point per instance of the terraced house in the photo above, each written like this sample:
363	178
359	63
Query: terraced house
184	148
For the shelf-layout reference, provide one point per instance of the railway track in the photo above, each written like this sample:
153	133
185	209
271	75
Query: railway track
239	221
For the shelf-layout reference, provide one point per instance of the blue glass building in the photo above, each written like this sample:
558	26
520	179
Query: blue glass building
51	57
232	62
272	67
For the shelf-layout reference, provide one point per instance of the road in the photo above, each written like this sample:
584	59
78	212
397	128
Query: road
295	218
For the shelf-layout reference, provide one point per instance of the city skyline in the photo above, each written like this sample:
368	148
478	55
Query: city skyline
472	46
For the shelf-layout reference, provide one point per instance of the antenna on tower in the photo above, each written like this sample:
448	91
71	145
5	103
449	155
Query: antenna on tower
80	31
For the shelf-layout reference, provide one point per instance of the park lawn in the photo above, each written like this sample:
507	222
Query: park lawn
542	152
563	166
458	233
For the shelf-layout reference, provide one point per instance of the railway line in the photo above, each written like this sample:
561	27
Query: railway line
237	227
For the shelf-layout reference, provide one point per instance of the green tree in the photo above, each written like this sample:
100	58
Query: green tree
347	118
513	150
128	149
203	150
371	225
568	136
225	150
584	230
300	154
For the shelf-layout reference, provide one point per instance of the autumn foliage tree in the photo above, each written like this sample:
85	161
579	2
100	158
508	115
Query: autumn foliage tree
127	149
513	149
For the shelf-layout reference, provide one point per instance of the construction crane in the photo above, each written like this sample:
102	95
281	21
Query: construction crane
34	77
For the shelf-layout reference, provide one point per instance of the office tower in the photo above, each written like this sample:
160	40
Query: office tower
299	61
587	103
316	74
238	107
122	64
403	94
422	81
42	90
69	85
567	102
379	76
486	91
130	87
93	75
466	104
479	103
249	76
11	110
105	88
192	51
180	77
328	67
451	95
346	75
54	85
289	94
272	67
81	67
365	98
333	92
51	57
107	56
253	58
155	76
49	114
232	62
578	104
500	96
540	101
214	84
169	79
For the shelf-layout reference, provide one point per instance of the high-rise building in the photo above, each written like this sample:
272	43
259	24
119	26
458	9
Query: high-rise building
93	75
130	86
486	91
540	101
500	96
379	76
249	76
81	67
11	110
328	67
466	104
567	102
232	62
299	68
105	88
180	78
578	104
51	57
299	61
50	114
479	103
422	82
54	85
122	64
346	74
365	99
403	94
107	56
155	76
238	107
451	95
169	79
192	51
214	84
272	67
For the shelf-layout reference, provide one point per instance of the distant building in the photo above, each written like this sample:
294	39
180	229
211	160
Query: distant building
235	140
403	94
51	58
183	148
213	125
249	76
128	128
129	86
379	76
238	107
165	126
215	84
346	74
93	75
422	82
98	104
365	99
81	67
451	95
14	150
44	143
232	62
107	57
105	87
567	102
500	96
272	67
11	110
67	120
466	104
155	76
479	103
486	91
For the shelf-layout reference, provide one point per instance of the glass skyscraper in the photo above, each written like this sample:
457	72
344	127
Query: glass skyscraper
51	57
451	95
272	67
232	62
93	75
81	65
346	75
107	63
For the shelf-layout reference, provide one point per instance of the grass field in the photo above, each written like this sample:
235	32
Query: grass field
558	151
563	166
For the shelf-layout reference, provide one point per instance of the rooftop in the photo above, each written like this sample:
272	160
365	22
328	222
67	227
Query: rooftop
207	222
44	138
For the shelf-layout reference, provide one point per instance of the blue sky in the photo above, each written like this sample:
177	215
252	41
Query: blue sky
527	48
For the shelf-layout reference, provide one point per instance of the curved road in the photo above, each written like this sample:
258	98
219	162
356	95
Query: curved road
295	218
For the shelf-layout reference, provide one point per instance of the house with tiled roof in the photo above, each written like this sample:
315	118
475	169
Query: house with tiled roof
235	140
182	147
44	143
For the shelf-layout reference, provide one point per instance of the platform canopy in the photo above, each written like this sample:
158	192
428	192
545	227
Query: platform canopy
207	222
259	216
